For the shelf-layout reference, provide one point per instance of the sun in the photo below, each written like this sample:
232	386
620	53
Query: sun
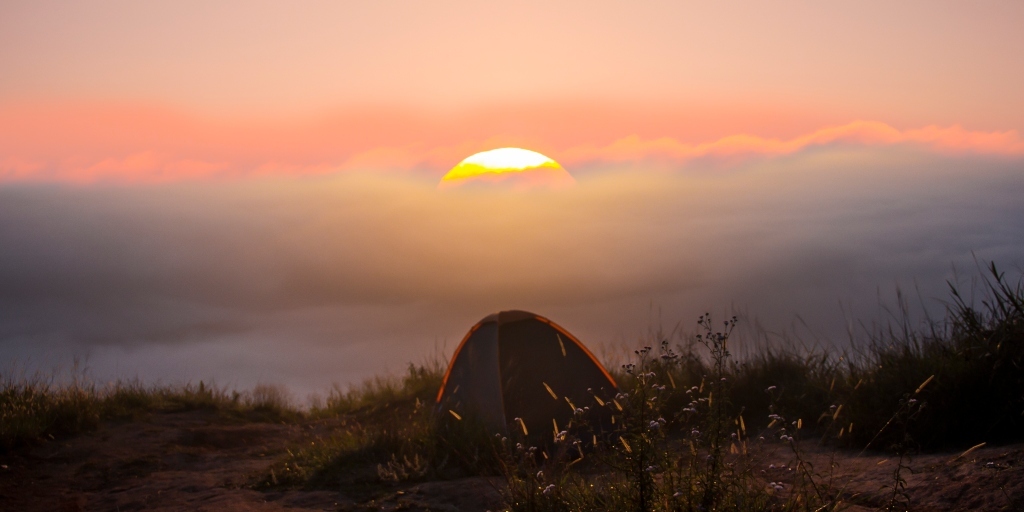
510	167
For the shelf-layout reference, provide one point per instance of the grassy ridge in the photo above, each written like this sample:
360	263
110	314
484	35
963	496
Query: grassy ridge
391	426
34	409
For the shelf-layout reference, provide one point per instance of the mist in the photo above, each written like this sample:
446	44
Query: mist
307	282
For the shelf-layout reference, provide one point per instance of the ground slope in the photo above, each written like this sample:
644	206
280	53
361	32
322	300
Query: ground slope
205	460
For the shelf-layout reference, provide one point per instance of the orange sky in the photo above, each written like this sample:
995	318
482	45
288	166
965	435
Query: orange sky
164	91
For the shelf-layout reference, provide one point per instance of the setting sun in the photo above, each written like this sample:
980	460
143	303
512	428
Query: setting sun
521	168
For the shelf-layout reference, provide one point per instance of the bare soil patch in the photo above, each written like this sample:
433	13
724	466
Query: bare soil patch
985	479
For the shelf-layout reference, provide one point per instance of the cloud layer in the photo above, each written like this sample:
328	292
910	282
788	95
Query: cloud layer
309	281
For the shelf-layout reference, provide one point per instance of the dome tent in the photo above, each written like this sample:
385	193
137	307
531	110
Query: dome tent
516	364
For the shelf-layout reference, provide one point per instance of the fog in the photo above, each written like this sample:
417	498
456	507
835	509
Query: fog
309	282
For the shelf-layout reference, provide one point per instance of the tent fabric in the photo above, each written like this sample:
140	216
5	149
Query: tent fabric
510	365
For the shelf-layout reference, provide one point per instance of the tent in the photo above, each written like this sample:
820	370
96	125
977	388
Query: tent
515	364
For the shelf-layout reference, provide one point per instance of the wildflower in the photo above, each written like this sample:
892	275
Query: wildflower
651	469
540	475
654	425
770	389
549	489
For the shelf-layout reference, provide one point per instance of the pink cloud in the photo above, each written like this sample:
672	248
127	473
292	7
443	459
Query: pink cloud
138	145
145	167
954	139
18	169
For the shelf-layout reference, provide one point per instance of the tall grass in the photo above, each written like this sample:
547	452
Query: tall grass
675	446
419	384
975	358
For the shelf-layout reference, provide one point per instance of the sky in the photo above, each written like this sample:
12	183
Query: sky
246	192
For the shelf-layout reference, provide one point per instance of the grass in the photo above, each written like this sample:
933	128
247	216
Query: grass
675	446
975	358
692	418
387	431
35	409
419	384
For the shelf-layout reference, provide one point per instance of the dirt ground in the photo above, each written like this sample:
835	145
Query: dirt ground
984	479
204	461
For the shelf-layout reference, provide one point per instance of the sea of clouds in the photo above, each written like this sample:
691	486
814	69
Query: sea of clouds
307	282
